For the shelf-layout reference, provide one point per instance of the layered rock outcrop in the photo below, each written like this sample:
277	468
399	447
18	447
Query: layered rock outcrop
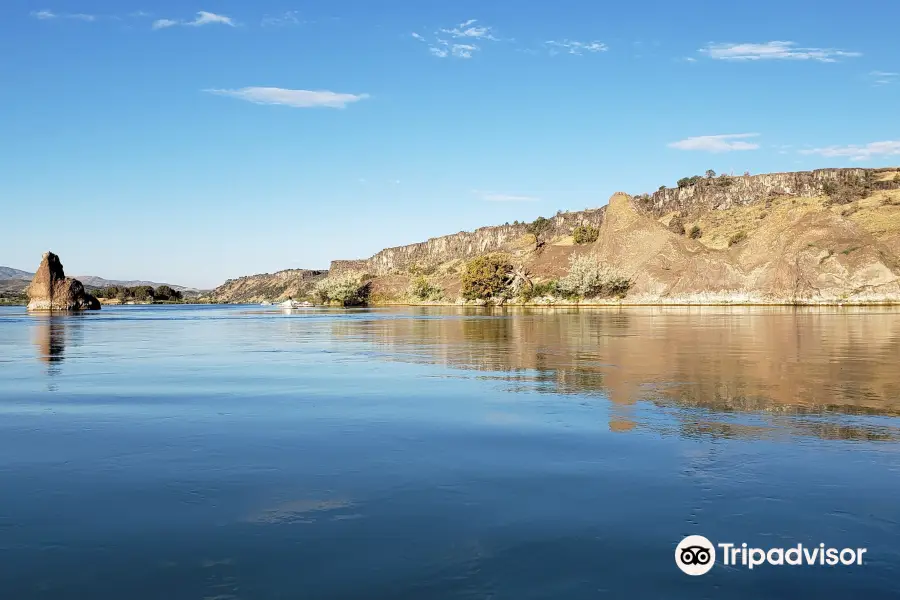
462	245
51	290
726	191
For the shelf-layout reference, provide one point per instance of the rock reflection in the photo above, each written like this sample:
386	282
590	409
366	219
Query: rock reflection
50	338
768	360
52	335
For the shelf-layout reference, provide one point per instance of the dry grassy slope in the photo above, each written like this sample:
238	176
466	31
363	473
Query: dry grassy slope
274	287
800	251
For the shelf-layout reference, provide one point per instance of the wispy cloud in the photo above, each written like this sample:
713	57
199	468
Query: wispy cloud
574	47
774	51
500	197
884	77
461	41
46	15
203	18
163	23
293	98
854	152
291	17
470	30
717	143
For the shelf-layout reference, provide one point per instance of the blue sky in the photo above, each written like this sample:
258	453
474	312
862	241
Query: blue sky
191	143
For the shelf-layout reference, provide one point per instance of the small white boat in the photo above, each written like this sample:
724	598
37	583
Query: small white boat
295	304
266	303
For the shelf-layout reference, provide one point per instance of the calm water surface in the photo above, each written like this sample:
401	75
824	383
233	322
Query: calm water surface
244	453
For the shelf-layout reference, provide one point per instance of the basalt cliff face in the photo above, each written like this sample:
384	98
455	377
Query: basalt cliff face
271	287
51	290
727	191
429	255
825	236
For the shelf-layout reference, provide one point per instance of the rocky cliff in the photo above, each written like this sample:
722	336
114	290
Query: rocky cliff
51	290
274	287
727	191
825	236
428	255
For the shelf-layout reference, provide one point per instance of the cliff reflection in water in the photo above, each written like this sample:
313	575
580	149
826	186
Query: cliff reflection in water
766	360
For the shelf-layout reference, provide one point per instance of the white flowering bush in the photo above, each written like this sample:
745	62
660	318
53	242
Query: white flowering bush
587	278
345	290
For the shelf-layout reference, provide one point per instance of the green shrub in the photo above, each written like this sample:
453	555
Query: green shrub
587	278
166	293
486	277
540	290
841	193
344	290
737	238
724	181
695	233
539	227
710	174
585	234
688	181
422	289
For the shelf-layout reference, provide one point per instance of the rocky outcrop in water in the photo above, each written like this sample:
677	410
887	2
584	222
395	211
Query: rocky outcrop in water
51	290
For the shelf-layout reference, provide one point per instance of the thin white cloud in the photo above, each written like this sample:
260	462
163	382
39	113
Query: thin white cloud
203	18
854	152
461	41
717	143
470	30
293	98
163	23
291	17
463	50
500	197
775	50
884	77
46	15
575	47
208	18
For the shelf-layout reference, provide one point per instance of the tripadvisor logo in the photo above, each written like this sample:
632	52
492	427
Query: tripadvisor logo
696	555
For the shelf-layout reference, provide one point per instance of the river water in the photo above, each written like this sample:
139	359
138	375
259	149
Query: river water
207	452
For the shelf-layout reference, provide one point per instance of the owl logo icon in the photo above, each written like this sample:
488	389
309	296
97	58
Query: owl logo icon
695	555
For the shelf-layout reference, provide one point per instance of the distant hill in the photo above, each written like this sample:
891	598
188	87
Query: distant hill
14	280
10	273
92	281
